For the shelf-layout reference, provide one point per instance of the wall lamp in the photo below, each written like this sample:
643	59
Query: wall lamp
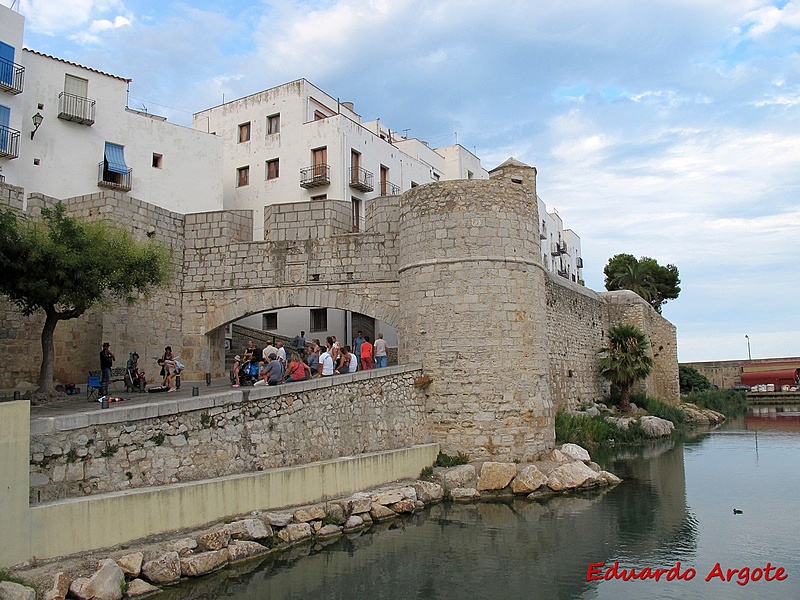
37	120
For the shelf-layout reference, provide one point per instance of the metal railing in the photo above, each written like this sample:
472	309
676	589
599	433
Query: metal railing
12	76
389	189
315	176
112	180
361	179
76	108
9	142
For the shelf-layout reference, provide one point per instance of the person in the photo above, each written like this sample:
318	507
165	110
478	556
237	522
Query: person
164	358
326	368
170	370
268	349
352	365
250	351
366	354
297	369
380	347
357	343
134	378
280	352
107	359
313	359
333	347
343	361
250	371
273	370
299	343
237	364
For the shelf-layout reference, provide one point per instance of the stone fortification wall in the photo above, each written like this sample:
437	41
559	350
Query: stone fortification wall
167	442
469	268
577	318
627	307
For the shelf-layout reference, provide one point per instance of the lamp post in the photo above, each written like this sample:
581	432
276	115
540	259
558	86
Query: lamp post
749	356
37	120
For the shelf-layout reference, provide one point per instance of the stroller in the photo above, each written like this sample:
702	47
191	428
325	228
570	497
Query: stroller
249	372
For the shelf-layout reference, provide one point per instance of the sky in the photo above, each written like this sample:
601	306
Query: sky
666	129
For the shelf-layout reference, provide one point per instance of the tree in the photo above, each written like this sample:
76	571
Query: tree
625	360
692	380
63	266
653	282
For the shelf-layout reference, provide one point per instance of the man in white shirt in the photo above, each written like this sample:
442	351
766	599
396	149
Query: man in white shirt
325	368
269	349
281	352
380	347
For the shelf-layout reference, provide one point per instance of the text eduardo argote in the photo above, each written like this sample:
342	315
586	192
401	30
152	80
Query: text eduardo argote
742	576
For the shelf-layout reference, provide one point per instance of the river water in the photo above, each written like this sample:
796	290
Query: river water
675	506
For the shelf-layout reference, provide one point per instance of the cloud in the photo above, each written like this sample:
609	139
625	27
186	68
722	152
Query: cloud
53	17
91	36
766	19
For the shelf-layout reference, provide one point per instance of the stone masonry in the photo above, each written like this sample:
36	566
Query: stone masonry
454	266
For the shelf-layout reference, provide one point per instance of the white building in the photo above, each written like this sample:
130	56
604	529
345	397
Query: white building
561	248
295	143
87	139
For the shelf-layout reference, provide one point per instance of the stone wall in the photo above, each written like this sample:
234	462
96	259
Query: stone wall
168	441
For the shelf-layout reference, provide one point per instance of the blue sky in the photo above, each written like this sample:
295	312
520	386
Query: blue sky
668	129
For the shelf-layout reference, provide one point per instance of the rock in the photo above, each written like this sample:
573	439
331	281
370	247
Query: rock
138	588
409	492
295	532
317	513
204	563
656	426
329	531
315	526
609	478
557	456
214	540
387	498
379	512
14	591
336	512
183	547
464	494
249	530
623	422
593	411
404	506
575	452
366	517
131	564
164	570
359	503
76	588
353	523
461	476
60	587
696	416
278	519
428	491
528	480
239	550
572	475
496	475
301	515
594	466
106	583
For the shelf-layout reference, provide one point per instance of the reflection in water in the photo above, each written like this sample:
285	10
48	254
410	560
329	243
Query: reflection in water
674	505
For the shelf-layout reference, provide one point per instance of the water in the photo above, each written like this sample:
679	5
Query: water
676	505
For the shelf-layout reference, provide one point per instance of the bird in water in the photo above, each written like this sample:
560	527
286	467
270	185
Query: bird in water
736	511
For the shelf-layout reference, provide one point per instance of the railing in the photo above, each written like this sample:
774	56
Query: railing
315	176
579	262
112	180
559	248
564	274
76	108
9	142
389	189
12	76
361	179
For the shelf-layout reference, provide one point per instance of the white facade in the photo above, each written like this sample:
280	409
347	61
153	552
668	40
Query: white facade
296	143
83	110
561	248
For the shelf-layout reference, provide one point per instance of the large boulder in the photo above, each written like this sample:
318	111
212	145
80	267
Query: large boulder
295	532
462	476
496	475
528	480
60	587
278	519
336	512
428	491
359	503
131	564
302	515
106	583
387	498
216	539
14	591
204	563
404	506
572	475
328	531
183	546
249	530
164	570
379	512
239	550
353	523
656	426
576	452
464	494
138	588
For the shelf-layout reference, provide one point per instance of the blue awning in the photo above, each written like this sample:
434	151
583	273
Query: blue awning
116	159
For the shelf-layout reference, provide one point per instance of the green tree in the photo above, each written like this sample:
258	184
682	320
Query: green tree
624	360
692	380
63	266
653	282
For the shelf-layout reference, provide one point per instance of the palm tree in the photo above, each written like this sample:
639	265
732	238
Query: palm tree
636	277
625	360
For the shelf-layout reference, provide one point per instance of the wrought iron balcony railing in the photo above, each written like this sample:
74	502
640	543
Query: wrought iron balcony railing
112	180
361	179
315	176
12	76
389	189
9	142
76	108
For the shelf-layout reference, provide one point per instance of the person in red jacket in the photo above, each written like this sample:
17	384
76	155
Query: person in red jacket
366	354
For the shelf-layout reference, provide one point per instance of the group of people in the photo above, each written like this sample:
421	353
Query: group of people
274	365
135	379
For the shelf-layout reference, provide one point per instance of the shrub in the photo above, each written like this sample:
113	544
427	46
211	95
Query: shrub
692	380
729	403
426	473
660	409
445	460
594	432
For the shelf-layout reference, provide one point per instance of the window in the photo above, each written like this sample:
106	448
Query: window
244	132
320	197
272	169
319	115
355	161
157	160
6	64
269	321
319	319
319	158
414	184
356	205
114	172
470	174
76	86
384	180
242	176
273	124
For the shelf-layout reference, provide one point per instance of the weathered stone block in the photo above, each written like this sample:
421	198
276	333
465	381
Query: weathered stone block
496	475
528	480
204	563
164	570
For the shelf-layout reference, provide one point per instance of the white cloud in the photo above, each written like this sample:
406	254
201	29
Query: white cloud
766	19
55	16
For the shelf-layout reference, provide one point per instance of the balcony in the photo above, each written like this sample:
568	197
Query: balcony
9	142
361	179
564	274
111	180
389	189
559	248
315	176
76	108
579	262
12	76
